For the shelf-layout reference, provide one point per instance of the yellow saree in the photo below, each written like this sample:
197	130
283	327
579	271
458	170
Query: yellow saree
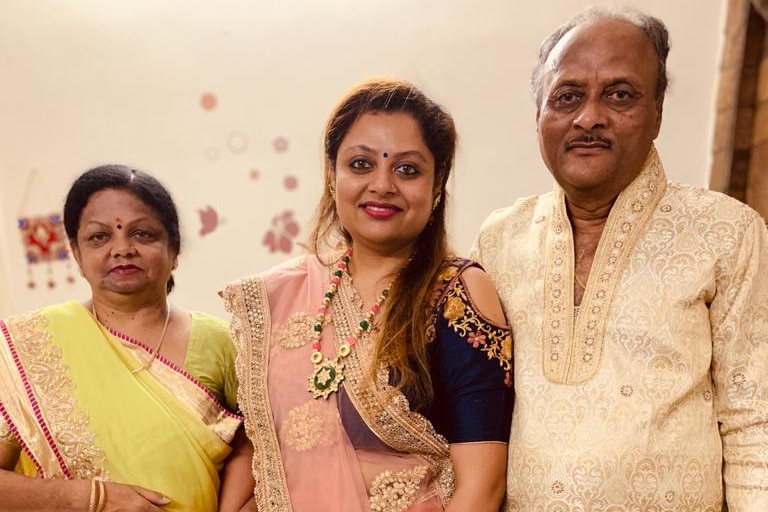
70	401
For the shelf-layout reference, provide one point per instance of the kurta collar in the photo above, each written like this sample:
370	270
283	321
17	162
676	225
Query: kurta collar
573	346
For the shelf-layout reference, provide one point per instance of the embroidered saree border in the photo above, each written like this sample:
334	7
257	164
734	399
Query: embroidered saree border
64	425
197	397
251	321
384	409
18	437
573	347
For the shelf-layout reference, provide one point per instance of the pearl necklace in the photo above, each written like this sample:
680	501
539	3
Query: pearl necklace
328	374
159	343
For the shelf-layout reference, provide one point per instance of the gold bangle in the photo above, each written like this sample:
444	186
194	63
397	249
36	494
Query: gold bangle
102	502
94	497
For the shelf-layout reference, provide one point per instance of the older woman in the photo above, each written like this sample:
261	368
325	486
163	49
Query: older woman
124	401
375	371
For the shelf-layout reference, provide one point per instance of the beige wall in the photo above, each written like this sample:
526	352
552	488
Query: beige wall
86	82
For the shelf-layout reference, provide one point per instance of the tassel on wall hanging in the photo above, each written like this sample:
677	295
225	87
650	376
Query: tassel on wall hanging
43	240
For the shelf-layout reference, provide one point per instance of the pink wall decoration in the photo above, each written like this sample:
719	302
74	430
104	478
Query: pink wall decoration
284	230
209	220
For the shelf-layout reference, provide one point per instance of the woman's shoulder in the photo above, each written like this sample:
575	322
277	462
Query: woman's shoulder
286	271
54	314
480	290
208	322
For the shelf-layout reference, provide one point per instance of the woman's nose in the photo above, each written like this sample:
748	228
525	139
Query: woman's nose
382	181
123	246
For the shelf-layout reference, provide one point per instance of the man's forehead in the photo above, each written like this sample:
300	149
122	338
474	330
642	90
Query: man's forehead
587	48
583	38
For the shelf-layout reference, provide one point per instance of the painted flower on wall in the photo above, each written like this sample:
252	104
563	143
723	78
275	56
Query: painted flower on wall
208	101
284	229
280	144
209	220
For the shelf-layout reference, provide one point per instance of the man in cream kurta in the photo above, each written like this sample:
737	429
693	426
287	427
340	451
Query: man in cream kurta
639	308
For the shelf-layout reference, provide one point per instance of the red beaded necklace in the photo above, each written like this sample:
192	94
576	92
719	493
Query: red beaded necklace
328	374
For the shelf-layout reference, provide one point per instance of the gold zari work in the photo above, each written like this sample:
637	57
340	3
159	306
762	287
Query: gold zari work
395	491
67	421
296	332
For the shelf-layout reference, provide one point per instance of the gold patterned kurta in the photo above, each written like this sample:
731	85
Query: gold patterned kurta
656	391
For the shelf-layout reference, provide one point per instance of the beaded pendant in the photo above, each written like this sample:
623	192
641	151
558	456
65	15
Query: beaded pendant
328	374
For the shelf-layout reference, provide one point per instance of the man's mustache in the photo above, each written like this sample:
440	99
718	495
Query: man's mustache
588	140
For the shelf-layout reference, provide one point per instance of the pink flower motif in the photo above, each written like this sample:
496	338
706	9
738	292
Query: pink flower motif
476	339
284	230
280	144
208	101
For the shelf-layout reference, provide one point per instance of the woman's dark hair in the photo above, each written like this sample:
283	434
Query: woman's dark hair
402	340
120	177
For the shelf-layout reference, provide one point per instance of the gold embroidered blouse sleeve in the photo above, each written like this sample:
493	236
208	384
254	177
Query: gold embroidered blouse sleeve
739	318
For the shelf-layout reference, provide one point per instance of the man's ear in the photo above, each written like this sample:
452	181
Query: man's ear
659	112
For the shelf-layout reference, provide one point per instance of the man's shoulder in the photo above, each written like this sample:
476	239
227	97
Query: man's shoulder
708	205
521	211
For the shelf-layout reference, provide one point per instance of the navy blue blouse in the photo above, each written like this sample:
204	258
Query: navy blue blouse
471	367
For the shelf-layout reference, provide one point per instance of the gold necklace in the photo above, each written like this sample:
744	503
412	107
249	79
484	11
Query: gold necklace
578	281
159	343
328	374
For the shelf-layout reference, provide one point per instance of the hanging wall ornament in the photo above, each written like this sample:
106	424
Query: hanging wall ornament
43	240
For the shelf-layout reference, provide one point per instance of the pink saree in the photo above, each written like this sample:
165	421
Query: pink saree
359	450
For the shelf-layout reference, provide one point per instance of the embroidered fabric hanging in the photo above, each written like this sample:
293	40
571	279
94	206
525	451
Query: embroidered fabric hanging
43	240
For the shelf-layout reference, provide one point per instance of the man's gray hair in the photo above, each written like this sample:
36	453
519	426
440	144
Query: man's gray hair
652	27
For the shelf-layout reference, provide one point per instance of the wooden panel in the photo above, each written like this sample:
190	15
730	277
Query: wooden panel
728	94
757	189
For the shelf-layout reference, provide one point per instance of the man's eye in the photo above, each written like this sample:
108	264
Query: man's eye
621	95
567	97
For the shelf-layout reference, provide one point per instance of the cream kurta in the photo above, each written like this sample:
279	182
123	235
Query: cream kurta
618	409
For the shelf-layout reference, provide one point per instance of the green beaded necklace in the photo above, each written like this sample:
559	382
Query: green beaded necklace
328	374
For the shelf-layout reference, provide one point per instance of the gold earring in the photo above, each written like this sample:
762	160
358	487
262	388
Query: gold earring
332	191
436	201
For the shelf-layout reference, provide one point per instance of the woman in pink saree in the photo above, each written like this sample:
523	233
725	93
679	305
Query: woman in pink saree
375	371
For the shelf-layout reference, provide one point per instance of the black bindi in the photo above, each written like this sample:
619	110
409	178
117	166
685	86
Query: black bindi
386	154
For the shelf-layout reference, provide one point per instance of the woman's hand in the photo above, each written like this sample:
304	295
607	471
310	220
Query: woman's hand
132	498
19	493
